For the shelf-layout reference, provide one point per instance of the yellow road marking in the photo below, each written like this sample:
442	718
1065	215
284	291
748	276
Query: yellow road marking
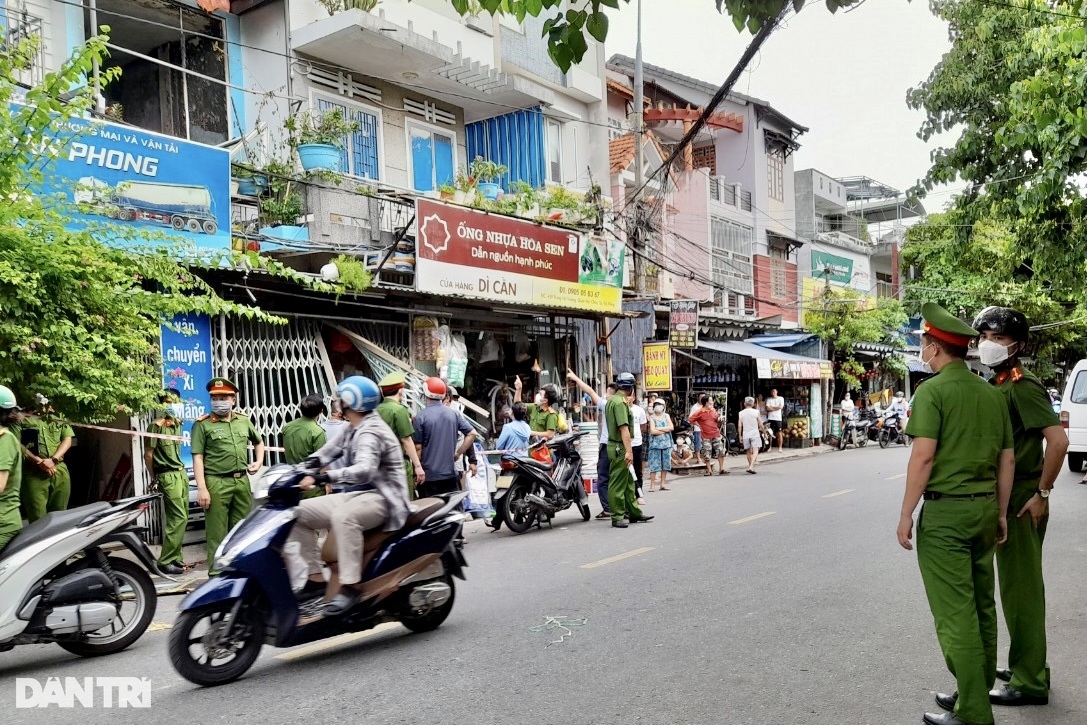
158	626
618	557
744	520
306	651
895	478
840	493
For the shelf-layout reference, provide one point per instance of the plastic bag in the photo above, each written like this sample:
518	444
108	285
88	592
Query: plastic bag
452	356
491	351
478	501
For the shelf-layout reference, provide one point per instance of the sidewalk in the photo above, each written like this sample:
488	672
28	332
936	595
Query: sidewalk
739	462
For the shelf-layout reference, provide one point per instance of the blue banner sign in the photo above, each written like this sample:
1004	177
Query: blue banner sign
187	367
142	179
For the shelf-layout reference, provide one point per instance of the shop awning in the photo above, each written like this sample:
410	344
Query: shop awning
686	354
773	363
780	342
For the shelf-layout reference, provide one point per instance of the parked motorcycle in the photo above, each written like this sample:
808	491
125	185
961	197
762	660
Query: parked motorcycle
407	578
855	432
890	431
57	585
534	491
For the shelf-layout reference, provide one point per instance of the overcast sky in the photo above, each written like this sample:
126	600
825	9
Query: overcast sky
842	75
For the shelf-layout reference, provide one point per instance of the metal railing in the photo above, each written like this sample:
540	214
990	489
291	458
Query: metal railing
22	28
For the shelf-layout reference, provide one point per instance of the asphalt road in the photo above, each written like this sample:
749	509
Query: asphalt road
778	598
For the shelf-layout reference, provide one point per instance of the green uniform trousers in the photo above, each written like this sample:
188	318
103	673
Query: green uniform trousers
956	539
622	499
41	494
231	501
175	514
1022	594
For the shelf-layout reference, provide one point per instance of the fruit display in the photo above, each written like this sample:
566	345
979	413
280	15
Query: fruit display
797	428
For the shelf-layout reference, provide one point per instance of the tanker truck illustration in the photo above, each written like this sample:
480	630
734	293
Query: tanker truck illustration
183	207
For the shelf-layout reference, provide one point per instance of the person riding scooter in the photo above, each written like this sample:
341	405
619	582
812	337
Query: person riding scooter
372	483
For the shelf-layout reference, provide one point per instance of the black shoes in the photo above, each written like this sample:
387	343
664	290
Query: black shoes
1003	673
171	569
942	718
1010	697
947	702
619	524
640	519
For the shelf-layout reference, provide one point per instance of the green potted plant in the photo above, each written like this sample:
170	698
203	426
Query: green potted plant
446	192
486	173
250	181
281	206
562	205
319	137
528	199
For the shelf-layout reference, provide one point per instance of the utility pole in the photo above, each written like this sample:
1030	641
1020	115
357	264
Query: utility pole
637	231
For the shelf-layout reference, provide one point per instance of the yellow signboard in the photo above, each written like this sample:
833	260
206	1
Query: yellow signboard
657	365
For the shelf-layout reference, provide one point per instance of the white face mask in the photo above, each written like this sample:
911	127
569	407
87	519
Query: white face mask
658	409
992	353
926	365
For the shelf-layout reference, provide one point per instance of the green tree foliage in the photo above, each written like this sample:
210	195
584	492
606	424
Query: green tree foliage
1015	84
80	320
568	23
844	323
965	275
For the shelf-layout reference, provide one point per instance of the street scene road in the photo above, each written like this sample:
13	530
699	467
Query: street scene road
777	598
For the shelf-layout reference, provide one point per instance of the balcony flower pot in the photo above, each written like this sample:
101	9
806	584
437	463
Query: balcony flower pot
489	190
320	157
287	232
252	185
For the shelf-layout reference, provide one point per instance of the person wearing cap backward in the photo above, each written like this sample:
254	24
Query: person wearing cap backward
1004	335
304	435
220	461
436	428
11	467
47	485
397	416
961	464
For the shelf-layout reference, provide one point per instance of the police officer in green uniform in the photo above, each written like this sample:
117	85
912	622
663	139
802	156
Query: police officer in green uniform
1004	334
163	460
543	421
11	466
622	498
304	435
220	463
47	485
397	416
962	465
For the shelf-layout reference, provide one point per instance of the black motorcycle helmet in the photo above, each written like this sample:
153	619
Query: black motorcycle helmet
1003	321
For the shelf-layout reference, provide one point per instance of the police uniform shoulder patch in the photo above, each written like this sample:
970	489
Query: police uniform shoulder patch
3	432
205	416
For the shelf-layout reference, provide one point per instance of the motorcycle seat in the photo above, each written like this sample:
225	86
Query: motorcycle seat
374	538
532	462
50	525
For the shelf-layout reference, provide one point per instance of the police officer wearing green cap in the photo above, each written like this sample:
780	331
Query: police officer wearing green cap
162	457
1004	335
220	458
397	416
47	484
11	466
962	465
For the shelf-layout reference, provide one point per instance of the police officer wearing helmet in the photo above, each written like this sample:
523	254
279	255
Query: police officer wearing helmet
622	498
1004	335
11	467
220	462
370	485
961	464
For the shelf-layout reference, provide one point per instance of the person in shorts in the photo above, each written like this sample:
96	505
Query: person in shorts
751	429
713	445
775	404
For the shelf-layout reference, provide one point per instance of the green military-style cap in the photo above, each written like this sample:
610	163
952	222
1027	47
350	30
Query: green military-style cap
222	386
943	325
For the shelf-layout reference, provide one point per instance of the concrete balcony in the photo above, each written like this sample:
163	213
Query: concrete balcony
423	50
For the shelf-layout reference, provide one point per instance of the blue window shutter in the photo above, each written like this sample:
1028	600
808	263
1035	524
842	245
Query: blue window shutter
515	140
365	146
422	161
443	160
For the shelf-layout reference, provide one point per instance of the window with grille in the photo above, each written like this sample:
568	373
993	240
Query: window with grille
360	155
778	286
705	157
745	200
775	175
730	258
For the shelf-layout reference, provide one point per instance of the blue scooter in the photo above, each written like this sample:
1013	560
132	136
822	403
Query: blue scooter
407	578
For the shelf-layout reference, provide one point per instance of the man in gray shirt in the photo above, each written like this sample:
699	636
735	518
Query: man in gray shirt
436	429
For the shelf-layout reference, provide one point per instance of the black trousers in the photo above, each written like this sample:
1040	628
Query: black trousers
433	488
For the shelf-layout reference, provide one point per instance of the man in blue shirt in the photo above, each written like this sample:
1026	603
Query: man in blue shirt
436	429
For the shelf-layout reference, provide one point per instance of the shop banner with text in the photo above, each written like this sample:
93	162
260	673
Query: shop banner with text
657	366
839	269
683	323
468	253
187	367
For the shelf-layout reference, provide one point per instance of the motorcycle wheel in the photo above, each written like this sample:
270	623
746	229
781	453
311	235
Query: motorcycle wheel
842	441
200	655
586	514
433	619
884	439
519	514
864	442
137	590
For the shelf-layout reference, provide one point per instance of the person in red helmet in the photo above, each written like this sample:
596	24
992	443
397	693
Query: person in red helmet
436	429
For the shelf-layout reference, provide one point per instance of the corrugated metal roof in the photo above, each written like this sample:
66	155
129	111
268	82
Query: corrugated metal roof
747	349
780	341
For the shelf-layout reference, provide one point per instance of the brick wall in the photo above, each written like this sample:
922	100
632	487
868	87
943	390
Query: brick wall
767	293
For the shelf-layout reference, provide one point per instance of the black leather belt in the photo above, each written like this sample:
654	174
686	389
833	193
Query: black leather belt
170	470
232	474
936	495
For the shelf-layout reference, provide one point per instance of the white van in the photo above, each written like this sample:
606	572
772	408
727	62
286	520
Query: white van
1074	416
